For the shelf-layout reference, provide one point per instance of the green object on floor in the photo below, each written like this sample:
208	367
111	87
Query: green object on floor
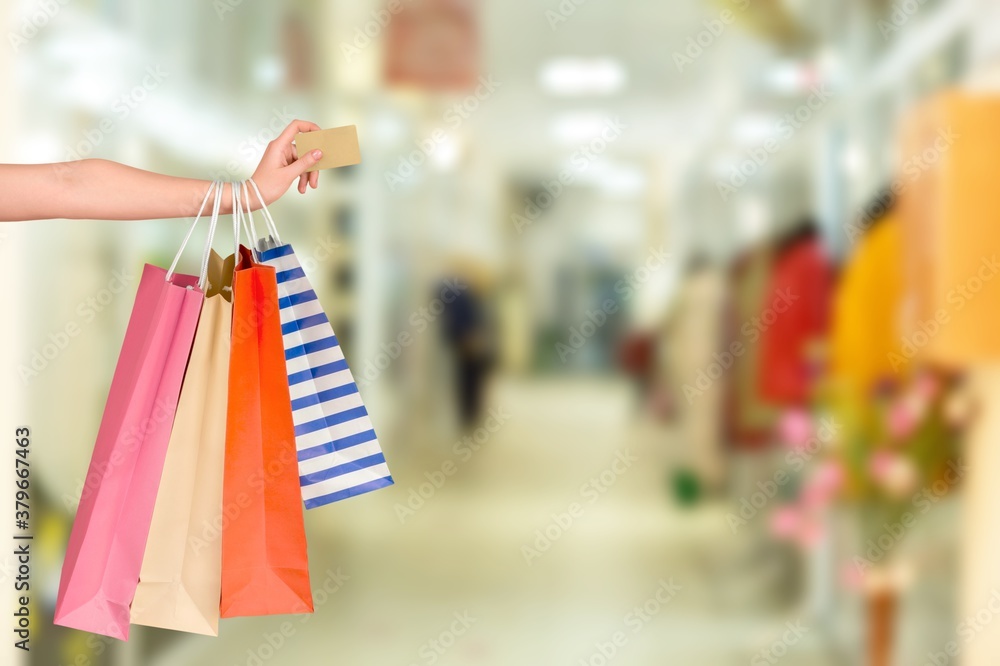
686	487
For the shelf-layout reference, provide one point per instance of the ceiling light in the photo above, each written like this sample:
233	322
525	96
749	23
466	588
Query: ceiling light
575	77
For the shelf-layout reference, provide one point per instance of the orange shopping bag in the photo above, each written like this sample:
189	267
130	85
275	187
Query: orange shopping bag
265	568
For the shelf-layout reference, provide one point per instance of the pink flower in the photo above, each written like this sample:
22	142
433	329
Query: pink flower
927	386
785	521
795	427
851	576
797	525
880	464
902	419
811	533
824	484
896	473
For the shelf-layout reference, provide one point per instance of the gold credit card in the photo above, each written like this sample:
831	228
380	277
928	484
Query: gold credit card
339	145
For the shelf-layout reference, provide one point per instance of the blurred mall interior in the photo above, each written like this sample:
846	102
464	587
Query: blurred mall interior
673	318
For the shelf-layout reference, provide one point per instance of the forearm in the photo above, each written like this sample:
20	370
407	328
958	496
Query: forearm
100	189
103	190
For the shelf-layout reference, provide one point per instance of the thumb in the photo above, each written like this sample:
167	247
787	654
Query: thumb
304	163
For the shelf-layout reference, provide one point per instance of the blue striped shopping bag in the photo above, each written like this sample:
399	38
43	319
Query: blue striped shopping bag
339	454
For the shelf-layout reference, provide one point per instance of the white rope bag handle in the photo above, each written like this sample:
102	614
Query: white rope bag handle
246	214
203	279
237	219
201	209
247	220
272	229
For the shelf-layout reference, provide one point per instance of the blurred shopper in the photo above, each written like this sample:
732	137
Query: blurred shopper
693	337
469	338
637	358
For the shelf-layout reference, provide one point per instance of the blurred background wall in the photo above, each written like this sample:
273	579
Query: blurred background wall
617	193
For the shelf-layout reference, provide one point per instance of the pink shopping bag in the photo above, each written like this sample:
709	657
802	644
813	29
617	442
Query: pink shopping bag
106	545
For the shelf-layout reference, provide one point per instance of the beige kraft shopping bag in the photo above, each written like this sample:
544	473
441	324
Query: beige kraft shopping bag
181	577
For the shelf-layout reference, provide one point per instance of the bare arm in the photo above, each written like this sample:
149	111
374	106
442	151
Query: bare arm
101	189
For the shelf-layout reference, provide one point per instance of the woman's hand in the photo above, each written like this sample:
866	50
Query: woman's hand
281	165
